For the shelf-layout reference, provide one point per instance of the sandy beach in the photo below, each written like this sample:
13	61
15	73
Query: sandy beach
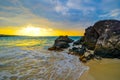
105	69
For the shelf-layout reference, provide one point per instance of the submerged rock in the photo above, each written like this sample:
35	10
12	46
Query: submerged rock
61	43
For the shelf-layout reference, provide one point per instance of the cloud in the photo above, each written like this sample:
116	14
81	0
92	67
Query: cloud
22	16
60	14
111	14
65	8
80	5
19	15
61	9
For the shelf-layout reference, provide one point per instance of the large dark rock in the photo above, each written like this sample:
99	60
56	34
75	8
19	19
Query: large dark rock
90	38
104	38
61	43
108	43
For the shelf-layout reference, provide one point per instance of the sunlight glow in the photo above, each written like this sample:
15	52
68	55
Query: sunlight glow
34	31
30	31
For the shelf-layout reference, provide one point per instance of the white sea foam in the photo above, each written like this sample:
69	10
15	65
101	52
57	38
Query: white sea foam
36	63
44	65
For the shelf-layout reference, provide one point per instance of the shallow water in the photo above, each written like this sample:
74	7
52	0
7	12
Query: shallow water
27	58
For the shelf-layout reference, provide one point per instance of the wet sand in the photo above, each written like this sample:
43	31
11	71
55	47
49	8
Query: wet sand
105	69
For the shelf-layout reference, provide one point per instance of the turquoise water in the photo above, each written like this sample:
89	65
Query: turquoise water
27	58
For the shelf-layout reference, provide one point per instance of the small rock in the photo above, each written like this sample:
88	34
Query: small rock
61	43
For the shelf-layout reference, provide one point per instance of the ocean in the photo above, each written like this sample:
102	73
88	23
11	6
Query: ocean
27	58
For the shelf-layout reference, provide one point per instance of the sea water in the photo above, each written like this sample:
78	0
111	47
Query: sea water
27	58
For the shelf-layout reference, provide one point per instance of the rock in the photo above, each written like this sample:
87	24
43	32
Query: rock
104	38
108	47
64	39
77	51
83	59
61	43
108	43
51	48
90	38
91	56
78	42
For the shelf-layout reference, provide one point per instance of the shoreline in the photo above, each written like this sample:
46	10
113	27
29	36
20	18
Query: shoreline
105	69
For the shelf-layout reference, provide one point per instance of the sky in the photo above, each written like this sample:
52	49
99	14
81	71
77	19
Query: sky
54	17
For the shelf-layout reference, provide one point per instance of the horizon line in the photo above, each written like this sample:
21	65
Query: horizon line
7	35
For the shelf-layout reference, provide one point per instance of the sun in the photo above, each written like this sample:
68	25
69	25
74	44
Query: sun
30	31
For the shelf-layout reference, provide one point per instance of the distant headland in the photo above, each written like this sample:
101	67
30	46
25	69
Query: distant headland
4	35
